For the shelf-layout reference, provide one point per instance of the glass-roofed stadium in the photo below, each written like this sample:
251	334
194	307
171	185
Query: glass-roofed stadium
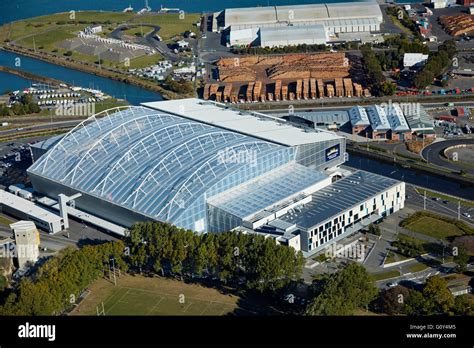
195	164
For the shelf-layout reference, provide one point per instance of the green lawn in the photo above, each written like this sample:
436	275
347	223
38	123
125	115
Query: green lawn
46	32
171	24
393	256
417	267
385	275
137	31
435	228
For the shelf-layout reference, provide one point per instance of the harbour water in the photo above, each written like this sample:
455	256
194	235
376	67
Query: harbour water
20	9
134	95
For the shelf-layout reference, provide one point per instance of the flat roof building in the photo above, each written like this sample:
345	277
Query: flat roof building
345	207
347	13
297	24
330	120
27	210
293	35
414	59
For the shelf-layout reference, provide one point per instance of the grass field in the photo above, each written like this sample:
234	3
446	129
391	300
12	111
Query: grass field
434	228
417	267
138	295
46	32
385	275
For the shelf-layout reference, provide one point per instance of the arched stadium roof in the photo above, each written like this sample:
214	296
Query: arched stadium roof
149	161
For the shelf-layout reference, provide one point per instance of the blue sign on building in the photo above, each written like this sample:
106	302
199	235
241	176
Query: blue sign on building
333	152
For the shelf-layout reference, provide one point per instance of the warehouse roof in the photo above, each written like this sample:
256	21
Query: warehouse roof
358	116
378	118
301	13
285	35
254	124
339	197
418	119
396	119
339	117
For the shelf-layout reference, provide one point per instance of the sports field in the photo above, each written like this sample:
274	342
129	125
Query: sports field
137	295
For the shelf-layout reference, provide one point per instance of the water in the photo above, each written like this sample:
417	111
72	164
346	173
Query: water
411	177
12	10
133	94
13	82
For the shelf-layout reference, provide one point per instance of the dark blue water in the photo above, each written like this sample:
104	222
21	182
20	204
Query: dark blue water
14	82
12	10
133	94
411	177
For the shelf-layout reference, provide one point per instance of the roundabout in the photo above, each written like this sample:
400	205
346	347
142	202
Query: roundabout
455	154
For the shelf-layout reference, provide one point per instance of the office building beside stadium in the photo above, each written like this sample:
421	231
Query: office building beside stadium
206	167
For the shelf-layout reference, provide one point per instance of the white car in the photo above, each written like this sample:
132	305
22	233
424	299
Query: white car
467	215
391	285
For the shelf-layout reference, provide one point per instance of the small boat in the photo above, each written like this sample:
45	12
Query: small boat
128	9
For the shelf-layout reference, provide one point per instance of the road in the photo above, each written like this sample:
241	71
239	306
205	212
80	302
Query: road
412	279
42	126
431	153
415	200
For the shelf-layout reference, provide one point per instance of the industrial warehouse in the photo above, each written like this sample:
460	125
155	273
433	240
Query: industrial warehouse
206	167
283	25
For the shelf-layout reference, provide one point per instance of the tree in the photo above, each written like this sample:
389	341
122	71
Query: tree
462	258
343	292
416	304
49	291
463	306
374	229
3	283
440	299
387	88
392	301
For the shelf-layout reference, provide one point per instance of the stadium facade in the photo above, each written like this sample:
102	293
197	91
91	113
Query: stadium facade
206	167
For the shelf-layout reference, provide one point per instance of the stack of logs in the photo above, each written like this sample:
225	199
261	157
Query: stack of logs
302	89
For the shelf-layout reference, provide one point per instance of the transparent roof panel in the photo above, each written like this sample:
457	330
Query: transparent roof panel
267	191
149	161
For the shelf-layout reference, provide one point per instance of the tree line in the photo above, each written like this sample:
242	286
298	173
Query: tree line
437	64
24	106
234	258
58	283
375	76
